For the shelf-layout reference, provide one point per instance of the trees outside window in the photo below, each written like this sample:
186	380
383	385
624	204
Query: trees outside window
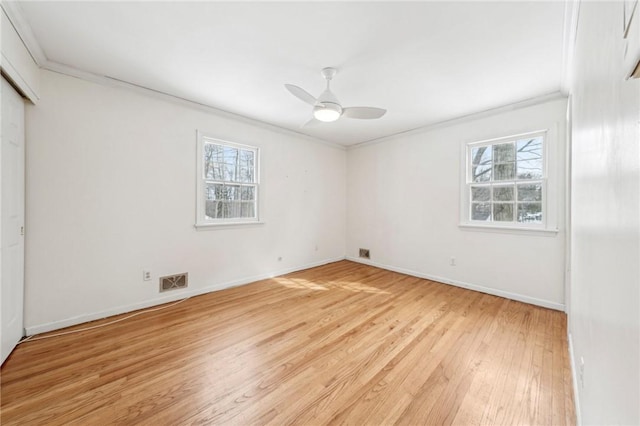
506	180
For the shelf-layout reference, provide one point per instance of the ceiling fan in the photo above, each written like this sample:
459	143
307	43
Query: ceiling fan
327	107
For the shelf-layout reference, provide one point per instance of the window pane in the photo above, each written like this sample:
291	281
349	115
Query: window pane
530	212
481	155
530	192
222	192
248	209
481	173
234	209
504	171
480	193
530	169
245	172
246	156
214	191
481	211
230	154
230	168
529	156
503	193
503	212
503	152
234	192
529	149
230	172
212	161
247	193
212	210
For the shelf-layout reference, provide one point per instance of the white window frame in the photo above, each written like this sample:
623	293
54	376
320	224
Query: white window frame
549	216
201	219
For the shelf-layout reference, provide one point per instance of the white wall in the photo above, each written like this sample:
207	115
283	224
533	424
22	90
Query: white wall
403	197
111	191
605	264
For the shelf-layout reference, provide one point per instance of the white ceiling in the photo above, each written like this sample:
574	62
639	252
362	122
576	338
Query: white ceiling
425	62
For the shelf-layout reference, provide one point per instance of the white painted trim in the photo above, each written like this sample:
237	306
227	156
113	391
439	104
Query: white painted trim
475	287
25	32
16	16
464	119
574	377
178	295
227	225
114	82
17	64
567	211
17	81
174	296
201	221
570	30
551	178
508	229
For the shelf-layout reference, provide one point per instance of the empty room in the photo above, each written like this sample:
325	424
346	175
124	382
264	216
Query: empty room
322	212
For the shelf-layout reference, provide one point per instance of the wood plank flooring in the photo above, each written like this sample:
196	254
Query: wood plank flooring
343	343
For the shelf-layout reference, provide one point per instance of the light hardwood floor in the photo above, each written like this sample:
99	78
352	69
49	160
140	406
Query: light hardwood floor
343	343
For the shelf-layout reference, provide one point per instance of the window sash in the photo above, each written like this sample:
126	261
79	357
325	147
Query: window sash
515	201
515	182
237	205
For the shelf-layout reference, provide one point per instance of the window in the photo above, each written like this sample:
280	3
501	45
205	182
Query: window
506	181
227	182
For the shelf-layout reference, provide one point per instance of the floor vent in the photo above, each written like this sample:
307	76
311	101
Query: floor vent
364	253
173	282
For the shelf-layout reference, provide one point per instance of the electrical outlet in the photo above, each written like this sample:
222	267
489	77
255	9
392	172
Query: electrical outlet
146	275
452	261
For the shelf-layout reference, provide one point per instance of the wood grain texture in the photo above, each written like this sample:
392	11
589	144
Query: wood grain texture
343	343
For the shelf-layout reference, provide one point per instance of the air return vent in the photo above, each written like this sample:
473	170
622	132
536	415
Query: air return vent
364	253
173	282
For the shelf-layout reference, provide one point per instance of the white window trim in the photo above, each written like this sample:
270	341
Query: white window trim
549	186
201	221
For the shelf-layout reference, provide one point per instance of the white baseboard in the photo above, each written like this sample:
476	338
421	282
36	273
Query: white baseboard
175	296
574	376
488	290
178	295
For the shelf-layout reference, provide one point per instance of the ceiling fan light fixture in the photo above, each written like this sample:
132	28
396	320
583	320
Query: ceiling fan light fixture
327	107
327	112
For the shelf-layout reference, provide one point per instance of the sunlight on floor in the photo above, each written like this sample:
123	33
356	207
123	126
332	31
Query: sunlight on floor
353	286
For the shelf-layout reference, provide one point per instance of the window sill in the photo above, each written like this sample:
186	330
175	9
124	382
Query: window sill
507	229
226	225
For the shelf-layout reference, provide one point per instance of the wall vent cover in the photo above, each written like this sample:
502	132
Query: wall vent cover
364	253
173	282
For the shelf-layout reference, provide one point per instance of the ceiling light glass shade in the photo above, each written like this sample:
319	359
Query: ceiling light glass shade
327	112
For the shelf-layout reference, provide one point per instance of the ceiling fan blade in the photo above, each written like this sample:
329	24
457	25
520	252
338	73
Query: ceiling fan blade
363	112
301	94
311	123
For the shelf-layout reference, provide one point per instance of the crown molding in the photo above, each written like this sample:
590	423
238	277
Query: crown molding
114	82
16	17
465	118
